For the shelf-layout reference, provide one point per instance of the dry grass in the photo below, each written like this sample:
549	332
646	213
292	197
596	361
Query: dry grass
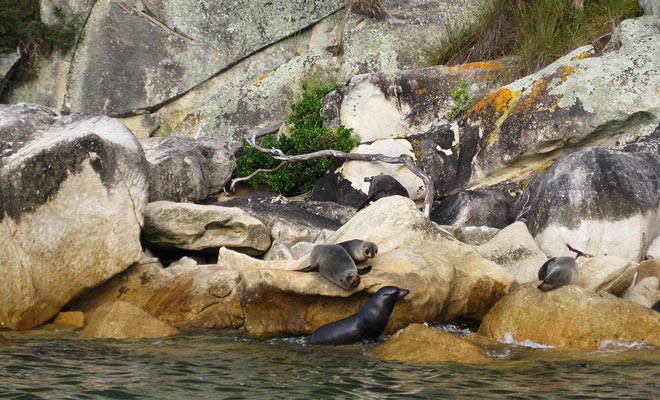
533	32
369	8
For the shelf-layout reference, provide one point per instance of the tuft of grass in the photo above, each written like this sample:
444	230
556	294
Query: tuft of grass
533	32
21	28
369	8
306	135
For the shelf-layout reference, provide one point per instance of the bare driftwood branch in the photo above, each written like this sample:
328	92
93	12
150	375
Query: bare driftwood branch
577	252
402	159
265	131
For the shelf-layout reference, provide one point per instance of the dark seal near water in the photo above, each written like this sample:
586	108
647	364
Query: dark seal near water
557	272
335	264
365	326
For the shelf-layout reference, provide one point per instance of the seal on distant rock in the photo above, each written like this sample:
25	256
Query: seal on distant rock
383	186
359	250
365	326
335	264
557	272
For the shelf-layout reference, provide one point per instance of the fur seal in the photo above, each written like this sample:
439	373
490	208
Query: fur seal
336	265
557	272
367	325
359	250
383	186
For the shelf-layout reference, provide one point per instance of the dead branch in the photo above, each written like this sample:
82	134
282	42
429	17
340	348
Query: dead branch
402	159
265	131
247	178
577	252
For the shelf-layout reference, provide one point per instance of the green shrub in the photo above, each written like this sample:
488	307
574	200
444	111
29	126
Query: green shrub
306	135
462	101
21	26
533	32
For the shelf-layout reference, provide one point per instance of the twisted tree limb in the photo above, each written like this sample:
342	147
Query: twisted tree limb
402	159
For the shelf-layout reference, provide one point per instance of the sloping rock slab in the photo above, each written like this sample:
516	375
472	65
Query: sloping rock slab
72	199
570	317
473	208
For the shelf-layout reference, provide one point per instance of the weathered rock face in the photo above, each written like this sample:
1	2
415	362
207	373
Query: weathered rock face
122	320
4	342
644	292
570	317
203	296
420	344
606	274
651	7
8	65
187	169
473	208
74	319
166	47
568	105
603	202
21	120
72	199
200	227
397	113
648	268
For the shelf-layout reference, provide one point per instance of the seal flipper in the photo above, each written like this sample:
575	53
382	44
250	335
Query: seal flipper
365	270
310	268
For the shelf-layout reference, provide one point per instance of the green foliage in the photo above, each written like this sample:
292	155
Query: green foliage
462	101
533	32
21	27
306	135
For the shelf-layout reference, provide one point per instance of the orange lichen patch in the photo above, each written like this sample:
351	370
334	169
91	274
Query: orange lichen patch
191	120
421	91
261	78
495	103
581	56
475	65
256	84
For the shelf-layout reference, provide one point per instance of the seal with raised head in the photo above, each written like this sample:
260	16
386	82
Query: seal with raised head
334	263
365	326
383	186
557	272
359	250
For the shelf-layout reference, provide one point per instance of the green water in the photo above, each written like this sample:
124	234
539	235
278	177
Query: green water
212	366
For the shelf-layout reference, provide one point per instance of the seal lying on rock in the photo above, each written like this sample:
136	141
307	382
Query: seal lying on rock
364	326
557	272
359	250
383	186
336	265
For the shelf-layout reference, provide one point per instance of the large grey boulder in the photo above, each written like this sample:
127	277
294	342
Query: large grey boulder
473	208
72	198
187	169
651	7
203	227
600	201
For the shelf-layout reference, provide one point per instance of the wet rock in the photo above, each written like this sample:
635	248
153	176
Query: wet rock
420	344
515	250
122	320
569	317
4	342
600	201
75	319
473	208
187	169
203	227
72	200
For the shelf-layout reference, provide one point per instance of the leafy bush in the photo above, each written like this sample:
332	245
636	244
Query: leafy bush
306	135
21	27
462	101
533	32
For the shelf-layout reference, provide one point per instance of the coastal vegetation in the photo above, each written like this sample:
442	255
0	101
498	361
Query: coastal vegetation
532	33
306	134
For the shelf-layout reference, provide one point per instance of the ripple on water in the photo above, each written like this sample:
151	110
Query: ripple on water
221	367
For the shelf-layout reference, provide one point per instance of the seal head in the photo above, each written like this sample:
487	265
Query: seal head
365	326
557	272
359	250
